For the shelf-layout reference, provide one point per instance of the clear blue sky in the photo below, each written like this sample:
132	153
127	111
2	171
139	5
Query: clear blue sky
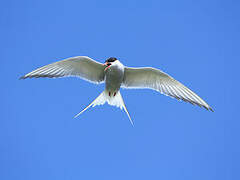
196	42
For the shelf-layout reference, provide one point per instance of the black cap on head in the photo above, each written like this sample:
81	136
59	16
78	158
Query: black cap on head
111	59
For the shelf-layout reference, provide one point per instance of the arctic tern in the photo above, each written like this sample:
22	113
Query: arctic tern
116	75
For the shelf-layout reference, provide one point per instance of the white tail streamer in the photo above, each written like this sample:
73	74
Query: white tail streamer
116	100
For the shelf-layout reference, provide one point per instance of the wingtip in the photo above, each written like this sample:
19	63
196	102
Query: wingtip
22	77
210	109
75	117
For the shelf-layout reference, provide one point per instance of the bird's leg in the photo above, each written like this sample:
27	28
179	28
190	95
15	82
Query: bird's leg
114	94
109	93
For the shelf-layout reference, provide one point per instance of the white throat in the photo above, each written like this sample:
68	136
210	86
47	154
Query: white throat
118	64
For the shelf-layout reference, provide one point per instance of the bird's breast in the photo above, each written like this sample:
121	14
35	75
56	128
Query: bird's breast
113	78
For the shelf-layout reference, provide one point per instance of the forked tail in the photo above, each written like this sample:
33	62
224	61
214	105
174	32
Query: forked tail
116	100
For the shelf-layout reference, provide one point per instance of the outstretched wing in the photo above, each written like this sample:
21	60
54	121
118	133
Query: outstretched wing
80	66
157	80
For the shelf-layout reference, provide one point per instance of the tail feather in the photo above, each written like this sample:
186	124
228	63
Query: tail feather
116	100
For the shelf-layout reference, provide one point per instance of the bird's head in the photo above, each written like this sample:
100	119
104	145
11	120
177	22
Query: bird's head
109	62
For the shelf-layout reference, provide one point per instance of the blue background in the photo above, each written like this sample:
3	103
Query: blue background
197	42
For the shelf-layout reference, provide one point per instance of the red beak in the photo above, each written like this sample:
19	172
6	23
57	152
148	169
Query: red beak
107	64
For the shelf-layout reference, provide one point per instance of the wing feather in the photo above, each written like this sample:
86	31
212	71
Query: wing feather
155	79
80	66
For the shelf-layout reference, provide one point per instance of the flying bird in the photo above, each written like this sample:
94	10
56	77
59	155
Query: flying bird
116	76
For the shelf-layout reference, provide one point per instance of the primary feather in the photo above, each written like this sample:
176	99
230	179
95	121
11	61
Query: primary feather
155	79
80	66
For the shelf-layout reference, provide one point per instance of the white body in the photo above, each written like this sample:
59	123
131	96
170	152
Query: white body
115	76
